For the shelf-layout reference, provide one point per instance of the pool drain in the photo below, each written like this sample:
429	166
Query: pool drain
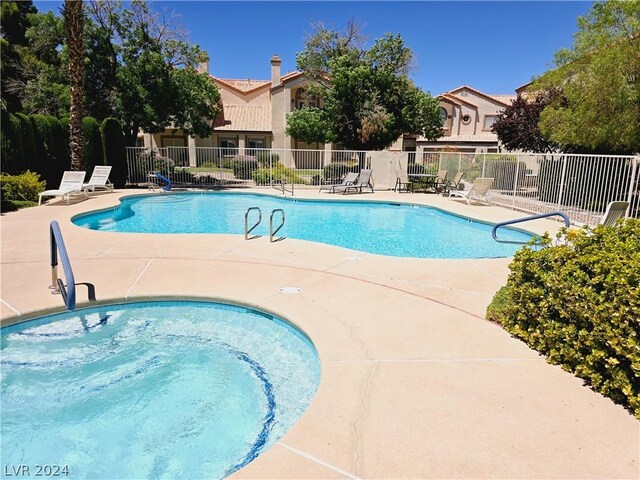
290	290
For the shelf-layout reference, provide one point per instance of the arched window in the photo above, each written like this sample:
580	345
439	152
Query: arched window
443	115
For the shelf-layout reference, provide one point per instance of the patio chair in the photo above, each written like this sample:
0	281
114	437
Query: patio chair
71	184
363	181
614	211
99	179
478	191
453	184
402	177
441	180
348	179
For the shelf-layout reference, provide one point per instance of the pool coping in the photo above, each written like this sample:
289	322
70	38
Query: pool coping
394	335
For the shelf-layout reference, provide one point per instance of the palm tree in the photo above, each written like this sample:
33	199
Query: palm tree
74	25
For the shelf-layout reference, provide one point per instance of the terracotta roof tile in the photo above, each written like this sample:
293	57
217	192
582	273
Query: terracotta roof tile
250	118
243	85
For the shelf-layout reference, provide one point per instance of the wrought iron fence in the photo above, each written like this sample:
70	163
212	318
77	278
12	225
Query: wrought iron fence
580	185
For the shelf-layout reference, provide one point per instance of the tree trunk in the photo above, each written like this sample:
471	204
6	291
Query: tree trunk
74	25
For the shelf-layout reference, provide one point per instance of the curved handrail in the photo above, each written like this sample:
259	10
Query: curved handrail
248	230
169	184
494	231
273	232
68	292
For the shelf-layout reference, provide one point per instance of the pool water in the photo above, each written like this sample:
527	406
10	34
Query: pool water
373	227
156	389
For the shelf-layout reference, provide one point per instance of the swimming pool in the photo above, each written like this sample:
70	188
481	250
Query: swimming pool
373	227
153	389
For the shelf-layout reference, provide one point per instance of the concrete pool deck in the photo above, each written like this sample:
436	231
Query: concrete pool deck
414	383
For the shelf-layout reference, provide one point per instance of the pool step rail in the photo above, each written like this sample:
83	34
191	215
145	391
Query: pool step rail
272	232
494	231
247	230
57	286
282	186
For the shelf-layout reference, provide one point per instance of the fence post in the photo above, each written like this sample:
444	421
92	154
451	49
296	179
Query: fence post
515	180
484	164
632	184
562	179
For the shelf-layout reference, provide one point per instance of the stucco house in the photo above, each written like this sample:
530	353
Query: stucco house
467	115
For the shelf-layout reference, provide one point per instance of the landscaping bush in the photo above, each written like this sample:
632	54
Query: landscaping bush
416	169
579	304
243	166
93	151
278	173
334	172
12	150
20	190
114	151
44	133
266	159
151	161
28	142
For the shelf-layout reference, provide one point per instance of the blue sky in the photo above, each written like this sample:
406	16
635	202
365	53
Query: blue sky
492	46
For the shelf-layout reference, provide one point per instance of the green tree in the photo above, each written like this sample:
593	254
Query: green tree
367	98
600	81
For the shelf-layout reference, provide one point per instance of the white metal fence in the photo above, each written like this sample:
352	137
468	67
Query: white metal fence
580	185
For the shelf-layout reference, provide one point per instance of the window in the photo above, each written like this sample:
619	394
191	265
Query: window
489	120
466	119
253	144
303	100
443	116
228	146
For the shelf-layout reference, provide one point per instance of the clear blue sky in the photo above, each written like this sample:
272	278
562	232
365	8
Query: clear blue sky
492	46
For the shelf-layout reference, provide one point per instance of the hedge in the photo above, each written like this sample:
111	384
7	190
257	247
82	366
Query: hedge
114	150
579	304
12	149
28	142
44	131
93	151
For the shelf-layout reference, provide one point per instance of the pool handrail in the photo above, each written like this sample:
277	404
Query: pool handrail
494	231
273	232
169	184
68	292
248	230
281	185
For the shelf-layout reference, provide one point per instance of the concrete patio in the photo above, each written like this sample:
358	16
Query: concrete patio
415	383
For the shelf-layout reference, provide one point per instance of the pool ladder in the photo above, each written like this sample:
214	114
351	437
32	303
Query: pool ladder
57	286
272	231
494	231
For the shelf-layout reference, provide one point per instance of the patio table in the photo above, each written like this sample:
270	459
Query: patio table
427	180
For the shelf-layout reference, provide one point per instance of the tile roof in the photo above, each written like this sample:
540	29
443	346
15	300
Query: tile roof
250	118
458	100
243	85
478	137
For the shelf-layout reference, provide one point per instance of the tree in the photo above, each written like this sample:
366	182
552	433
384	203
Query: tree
517	125
600	82
367	99
74	27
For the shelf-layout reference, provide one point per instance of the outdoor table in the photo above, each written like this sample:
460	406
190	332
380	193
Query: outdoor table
427	180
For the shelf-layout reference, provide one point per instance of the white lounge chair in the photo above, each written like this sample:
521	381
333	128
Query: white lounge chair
348	179
614	211
363	181
478	191
99	179
71	184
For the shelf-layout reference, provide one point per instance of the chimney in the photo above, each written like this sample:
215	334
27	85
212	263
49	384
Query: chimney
203	67
275	70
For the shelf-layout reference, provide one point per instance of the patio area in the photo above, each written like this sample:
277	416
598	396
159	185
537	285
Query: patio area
415	383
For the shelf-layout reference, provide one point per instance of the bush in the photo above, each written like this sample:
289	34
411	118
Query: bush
44	133
579	304
22	188
416	169
12	150
28	142
114	151
243	166
266	159
278	173
151	161
93	151
334	172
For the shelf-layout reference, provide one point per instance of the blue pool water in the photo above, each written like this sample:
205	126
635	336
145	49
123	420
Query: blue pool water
381	228
150	390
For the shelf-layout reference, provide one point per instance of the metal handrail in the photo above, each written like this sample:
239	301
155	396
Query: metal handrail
248	230
494	231
68	292
273	232
282	186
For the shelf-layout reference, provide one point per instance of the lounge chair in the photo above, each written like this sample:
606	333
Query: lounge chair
363	181
348	179
478	191
71	184
453	184
614	211
99	179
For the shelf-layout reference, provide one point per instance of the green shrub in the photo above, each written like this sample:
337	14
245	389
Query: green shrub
333	172
243	166
28	142
277	173
24	187
45	142
579	304
148	162
93	151
416	168
12	149
114	150
266	159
